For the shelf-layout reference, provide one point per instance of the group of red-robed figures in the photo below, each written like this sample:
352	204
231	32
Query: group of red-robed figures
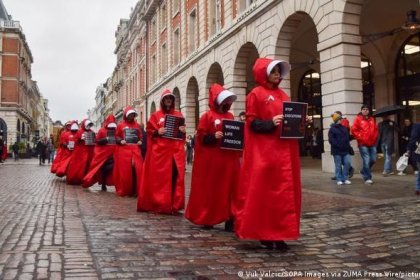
258	189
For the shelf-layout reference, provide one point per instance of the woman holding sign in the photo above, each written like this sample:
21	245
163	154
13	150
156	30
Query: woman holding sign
215	170
270	188
162	188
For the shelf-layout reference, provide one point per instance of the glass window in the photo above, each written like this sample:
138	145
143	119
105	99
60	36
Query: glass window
367	82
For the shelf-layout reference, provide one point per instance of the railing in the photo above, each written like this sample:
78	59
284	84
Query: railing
10	24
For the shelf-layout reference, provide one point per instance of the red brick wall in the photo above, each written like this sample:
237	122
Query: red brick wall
10	45
10	66
9	91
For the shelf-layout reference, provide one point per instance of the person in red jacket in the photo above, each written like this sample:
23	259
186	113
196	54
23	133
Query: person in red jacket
59	156
82	154
128	161
215	171
100	169
68	143
365	131
163	188
270	186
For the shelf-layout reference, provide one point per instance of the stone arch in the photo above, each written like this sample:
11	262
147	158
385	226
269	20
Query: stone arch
177	94
3	129
243	78
214	75
152	107
192	105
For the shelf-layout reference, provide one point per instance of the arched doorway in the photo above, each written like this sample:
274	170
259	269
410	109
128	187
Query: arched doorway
408	77
18	131
192	106
243	78
310	92
368	82
177	99
215	75
3	129
152	108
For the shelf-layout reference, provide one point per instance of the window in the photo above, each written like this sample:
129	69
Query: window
176	47
243	5
163	17
367	82
214	17
153	78
164	59
176	6
153	31
192	31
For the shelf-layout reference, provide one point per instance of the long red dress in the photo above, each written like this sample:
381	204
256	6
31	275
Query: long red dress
127	158
68	141
81	157
102	153
270	187
158	192
215	172
59	155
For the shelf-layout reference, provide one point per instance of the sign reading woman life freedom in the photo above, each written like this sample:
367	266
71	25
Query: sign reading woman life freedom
233	135
294	122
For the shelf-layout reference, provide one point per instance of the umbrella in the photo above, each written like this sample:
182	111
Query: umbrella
388	110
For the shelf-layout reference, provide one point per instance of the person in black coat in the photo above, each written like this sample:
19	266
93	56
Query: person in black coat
405	137
339	139
414	151
41	149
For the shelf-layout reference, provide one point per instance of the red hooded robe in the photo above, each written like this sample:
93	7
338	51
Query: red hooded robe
63	162
100	155
4	154
215	171
270	188
127	157
157	192
80	159
59	154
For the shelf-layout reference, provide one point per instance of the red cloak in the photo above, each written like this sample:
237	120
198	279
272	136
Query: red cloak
68	143
215	171
157	192
270	188
101	154
127	158
81	157
4	154
59	154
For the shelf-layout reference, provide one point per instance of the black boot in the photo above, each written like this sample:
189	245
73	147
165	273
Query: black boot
282	246
268	244
229	225
104	189
207	227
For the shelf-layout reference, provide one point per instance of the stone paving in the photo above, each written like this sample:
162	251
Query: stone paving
53	231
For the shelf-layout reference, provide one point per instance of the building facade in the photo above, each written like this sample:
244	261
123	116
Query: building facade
23	111
342	52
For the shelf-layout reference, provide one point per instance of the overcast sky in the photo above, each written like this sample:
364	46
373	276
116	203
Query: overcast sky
72	43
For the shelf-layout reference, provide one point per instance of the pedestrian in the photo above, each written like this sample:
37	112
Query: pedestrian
68	144
41	149
242	116
190	149
163	187
15	150
215	171
128	160
100	169
405	137
50	149
82	154
365	131
345	122
61	146
387	128
1	146
317	143
414	150
339	139
270	188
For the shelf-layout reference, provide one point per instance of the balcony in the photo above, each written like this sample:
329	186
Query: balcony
10	24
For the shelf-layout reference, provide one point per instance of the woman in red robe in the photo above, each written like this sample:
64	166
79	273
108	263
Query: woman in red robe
215	171
68	142
59	156
163	189
100	169
128	161
270	187
82	154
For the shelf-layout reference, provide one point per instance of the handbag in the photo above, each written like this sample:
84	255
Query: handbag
402	163
351	151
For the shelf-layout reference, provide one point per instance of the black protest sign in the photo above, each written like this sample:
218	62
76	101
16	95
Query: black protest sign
233	135
294	122
172	124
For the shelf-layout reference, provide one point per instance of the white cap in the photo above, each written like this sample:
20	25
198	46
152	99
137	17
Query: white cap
88	122
112	125
131	111
74	126
224	95
284	67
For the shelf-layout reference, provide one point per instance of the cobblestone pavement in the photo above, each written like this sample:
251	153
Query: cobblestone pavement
53	231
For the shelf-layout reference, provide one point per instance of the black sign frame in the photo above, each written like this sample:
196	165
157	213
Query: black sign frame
294	121
233	135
